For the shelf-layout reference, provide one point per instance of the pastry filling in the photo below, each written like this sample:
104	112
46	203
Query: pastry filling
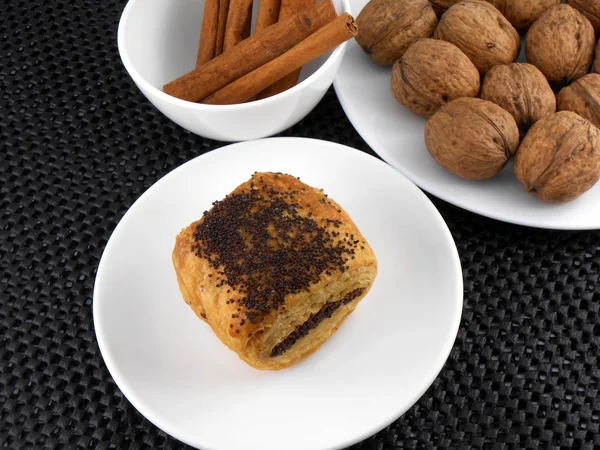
313	321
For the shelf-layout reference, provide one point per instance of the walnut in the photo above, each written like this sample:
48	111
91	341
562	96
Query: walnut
440	6
481	32
590	9
561	44
597	60
472	138
559	159
582	97
430	74
522	13
522	90
386	28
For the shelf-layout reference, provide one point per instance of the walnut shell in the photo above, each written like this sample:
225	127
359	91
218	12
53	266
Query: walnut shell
522	90
590	9
481	32
430	74
597	60
386	28
522	13
440	6
582	97
559	159
561	44
472	138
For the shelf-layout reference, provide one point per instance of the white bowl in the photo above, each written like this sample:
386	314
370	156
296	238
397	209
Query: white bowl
158	42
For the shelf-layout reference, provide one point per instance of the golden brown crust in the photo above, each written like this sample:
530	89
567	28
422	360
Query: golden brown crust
276	258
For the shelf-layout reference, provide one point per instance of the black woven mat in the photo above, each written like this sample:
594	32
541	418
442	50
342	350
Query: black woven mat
79	144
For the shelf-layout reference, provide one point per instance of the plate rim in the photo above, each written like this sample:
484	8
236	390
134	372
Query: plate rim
366	135
167	426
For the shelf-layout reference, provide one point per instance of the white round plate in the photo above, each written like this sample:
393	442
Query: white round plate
396	135
175	371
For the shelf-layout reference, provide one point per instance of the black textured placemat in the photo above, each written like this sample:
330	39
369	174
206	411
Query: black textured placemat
78	145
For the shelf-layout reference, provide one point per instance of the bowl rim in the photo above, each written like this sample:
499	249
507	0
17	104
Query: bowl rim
144	85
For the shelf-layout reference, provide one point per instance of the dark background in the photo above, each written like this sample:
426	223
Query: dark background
79	144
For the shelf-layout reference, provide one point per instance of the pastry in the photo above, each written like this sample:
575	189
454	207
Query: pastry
274	268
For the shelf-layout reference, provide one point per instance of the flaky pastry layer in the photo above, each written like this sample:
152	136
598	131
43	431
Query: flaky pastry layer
274	269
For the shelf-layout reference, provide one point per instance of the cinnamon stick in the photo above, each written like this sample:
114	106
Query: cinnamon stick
288	9
212	32
291	7
251	53
208	32
268	13
238	23
223	13
325	39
